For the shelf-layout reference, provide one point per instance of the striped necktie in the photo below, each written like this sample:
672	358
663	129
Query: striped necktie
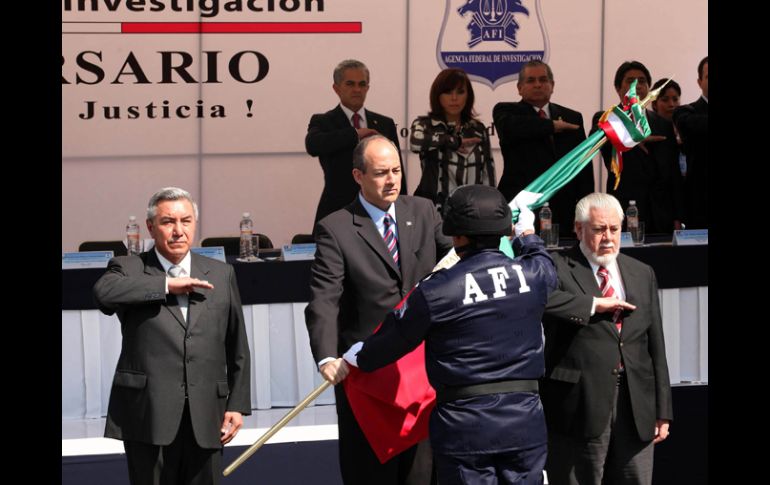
390	238
608	291
183	300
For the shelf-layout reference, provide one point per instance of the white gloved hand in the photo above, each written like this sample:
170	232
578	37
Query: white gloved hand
526	219
351	355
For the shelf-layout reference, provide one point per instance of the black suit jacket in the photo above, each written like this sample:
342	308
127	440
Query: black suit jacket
651	178
332	138
161	353
692	120
530	147
582	351
355	281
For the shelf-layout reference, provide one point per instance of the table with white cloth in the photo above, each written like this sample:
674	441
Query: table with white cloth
274	295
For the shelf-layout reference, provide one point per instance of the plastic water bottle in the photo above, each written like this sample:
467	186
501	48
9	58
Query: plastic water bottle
545	215
632	220
133	237
246	229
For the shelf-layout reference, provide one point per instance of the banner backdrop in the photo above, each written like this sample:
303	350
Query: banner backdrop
215	95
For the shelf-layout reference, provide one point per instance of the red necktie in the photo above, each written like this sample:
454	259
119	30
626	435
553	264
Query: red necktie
356	120
542	114
390	238
608	291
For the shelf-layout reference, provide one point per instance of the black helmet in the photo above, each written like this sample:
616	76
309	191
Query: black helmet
477	210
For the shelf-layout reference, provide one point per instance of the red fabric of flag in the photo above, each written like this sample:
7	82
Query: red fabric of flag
393	404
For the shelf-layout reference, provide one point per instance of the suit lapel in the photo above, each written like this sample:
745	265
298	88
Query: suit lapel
153	267
197	299
340	118
631	285
555	111
405	221
581	272
364	226
372	121
584	277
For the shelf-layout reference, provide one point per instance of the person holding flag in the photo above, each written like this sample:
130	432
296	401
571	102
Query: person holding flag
480	321
644	169
369	256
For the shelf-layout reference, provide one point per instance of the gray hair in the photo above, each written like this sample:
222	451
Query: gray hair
596	200
349	64
168	193
534	63
359	154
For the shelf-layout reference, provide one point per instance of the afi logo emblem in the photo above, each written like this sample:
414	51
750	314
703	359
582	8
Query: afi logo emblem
492	20
491	39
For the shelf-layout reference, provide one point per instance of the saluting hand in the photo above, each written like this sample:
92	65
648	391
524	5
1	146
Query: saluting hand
184	285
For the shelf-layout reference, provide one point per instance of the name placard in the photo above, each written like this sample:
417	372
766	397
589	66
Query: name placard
298	252
213	252
691	237
626	241
86	259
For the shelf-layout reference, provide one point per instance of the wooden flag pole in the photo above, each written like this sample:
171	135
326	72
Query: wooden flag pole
276	427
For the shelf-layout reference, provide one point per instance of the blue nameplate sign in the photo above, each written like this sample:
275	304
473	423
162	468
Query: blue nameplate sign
626	241
86	259
691	237
213	252
298	252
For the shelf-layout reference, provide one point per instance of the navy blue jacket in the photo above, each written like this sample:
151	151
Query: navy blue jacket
480	320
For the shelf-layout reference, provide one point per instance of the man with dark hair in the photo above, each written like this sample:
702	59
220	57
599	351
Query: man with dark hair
606	388
650	174
480	321
534	133
370	254
692	120
333	135
182	382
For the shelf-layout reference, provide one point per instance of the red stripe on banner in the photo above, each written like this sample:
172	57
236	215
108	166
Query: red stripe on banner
241	27
613	137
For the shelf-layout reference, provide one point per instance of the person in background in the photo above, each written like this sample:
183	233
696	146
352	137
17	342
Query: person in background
535	133
651	174
333	135
453	144
369	255
606	389
182	382
664	106
692	120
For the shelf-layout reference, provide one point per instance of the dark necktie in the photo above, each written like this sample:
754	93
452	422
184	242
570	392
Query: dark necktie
390	238
608	291
356	120
542	114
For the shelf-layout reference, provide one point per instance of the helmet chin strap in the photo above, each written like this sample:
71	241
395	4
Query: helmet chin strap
464	248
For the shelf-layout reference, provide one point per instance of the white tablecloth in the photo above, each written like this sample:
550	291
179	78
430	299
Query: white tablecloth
283	371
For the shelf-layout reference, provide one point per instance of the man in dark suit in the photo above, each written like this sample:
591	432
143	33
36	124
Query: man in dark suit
534	133
333	135
650	175
692	120
182	381
606	389
357	278
480	321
